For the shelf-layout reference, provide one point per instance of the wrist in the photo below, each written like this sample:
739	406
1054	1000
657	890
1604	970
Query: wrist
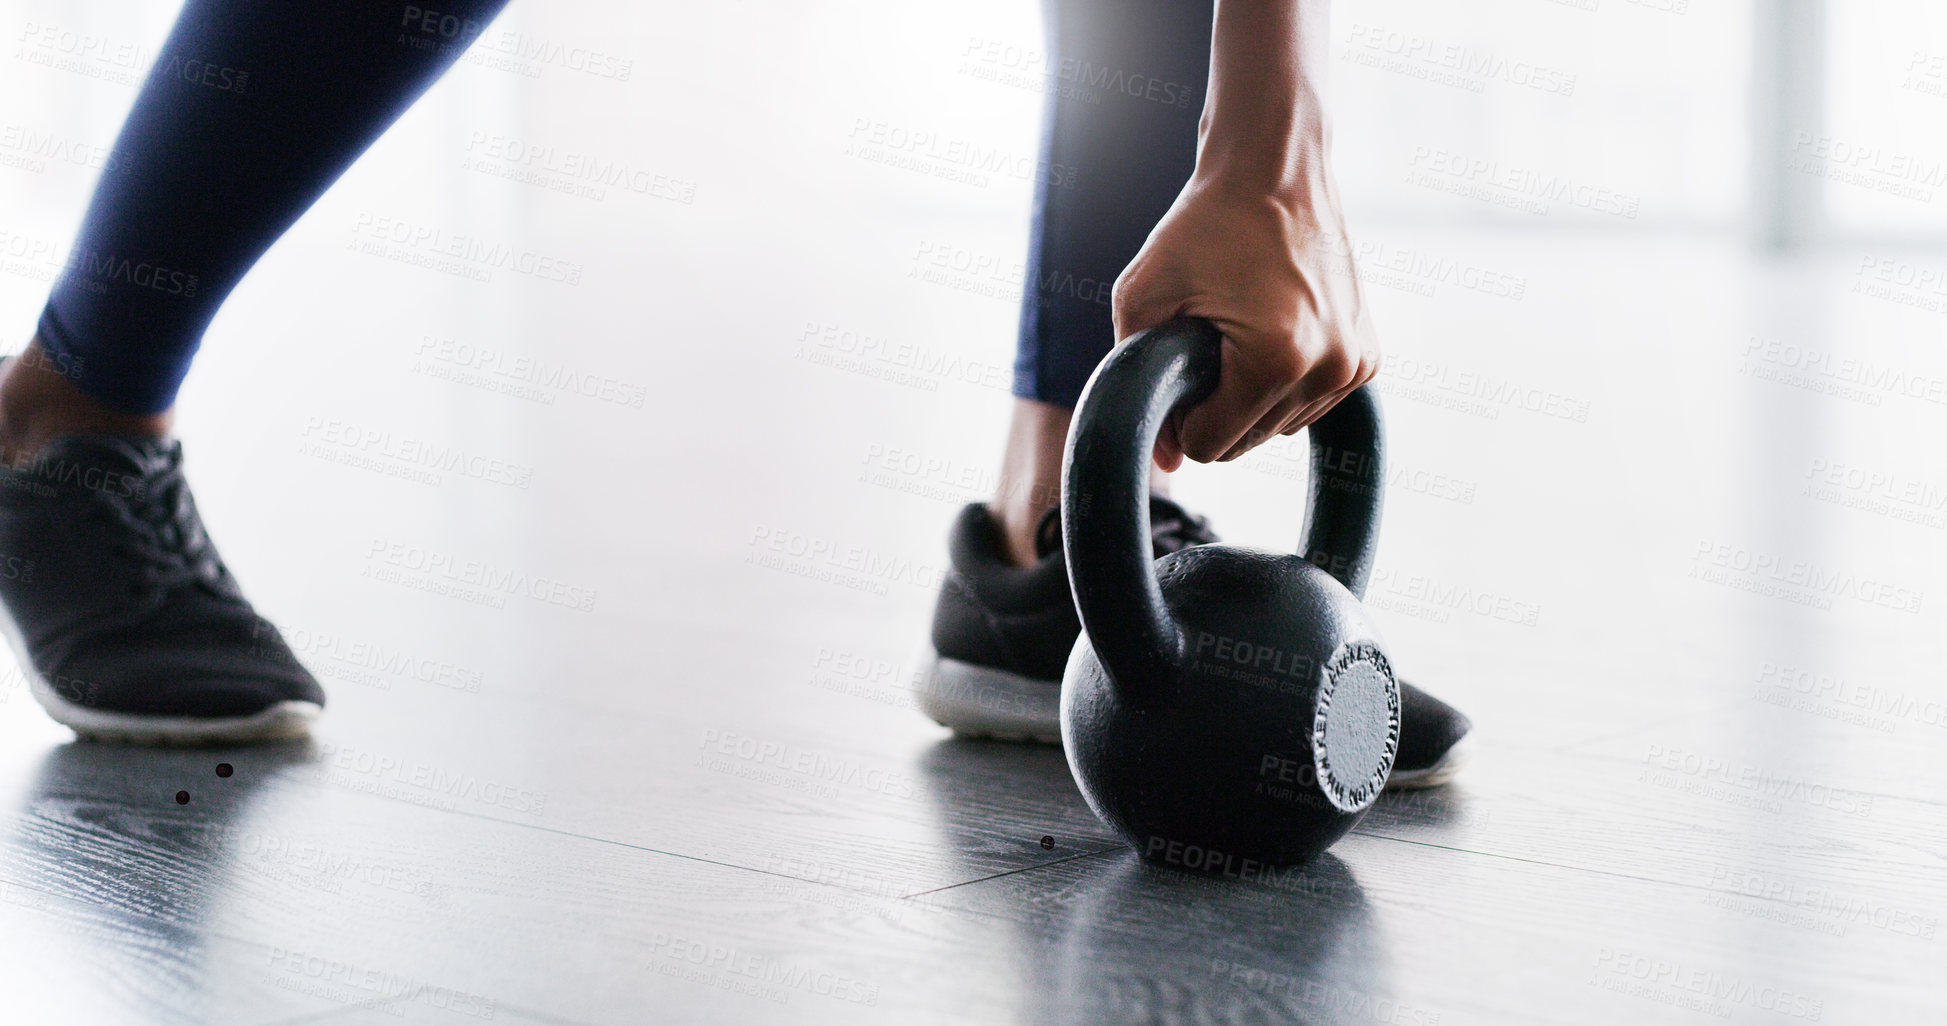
1264	128
1281	155
1293	180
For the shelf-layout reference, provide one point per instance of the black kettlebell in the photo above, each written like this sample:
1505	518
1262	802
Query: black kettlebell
1223	705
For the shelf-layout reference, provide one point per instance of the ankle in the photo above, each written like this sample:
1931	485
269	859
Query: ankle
39	403
1018	521
1030	479
1030	483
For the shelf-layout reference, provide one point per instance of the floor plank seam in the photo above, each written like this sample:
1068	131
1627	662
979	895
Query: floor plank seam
557	831
1013	872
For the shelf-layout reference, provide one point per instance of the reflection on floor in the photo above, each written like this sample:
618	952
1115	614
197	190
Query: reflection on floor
618	587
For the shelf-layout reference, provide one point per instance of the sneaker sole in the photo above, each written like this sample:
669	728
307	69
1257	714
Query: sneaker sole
283	720
980	701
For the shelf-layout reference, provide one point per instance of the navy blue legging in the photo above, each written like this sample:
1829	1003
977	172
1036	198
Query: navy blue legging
253	109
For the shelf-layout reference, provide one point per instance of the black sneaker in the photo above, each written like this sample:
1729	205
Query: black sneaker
1002	634
123	617
1432	741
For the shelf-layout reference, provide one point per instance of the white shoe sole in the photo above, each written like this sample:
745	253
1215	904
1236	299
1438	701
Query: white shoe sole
980	701
286	719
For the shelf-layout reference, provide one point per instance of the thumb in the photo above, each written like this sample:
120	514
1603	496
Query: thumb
1142	299
1168	453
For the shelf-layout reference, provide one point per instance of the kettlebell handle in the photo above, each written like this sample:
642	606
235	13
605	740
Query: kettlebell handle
1105	491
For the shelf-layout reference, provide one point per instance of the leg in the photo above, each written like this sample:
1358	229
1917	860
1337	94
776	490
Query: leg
1124	116
1122	109
129	626
251	111
39	403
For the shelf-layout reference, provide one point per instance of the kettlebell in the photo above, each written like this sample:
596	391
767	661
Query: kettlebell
1223	705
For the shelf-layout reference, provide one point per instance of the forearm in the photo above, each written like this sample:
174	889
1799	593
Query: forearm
1264	126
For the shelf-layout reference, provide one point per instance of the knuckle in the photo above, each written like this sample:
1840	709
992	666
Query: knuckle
1128	309
1370	360
1127	292
1336	370
1339	364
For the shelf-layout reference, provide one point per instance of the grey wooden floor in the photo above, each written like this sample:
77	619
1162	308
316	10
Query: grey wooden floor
620	731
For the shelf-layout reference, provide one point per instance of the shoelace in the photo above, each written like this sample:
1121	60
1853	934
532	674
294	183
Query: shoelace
1171	529
162	532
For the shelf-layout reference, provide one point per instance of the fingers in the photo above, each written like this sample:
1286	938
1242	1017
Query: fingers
1247	393
1312	412
1268	425
1169	446
1266	389
1366	370
1297	414
1303	404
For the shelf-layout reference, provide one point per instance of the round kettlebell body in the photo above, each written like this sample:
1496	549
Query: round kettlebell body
1276	733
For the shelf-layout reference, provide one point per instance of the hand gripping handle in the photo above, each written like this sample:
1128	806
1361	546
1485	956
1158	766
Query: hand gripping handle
1105	491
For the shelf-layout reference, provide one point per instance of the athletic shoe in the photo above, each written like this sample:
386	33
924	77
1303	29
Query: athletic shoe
122	615
1002	634
1433	741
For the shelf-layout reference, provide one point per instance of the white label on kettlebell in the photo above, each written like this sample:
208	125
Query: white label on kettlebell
1355	730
